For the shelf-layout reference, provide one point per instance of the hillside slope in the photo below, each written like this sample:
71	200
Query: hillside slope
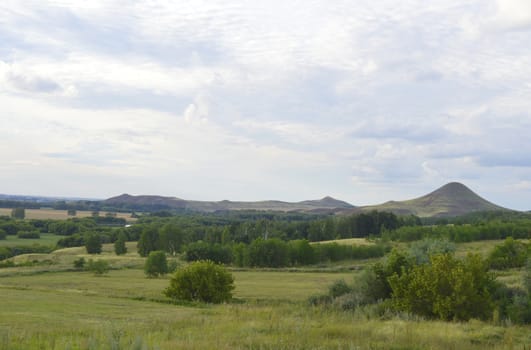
173	203
452	199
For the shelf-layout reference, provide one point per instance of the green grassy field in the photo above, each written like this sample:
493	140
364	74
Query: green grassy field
46	307
124	310
46	239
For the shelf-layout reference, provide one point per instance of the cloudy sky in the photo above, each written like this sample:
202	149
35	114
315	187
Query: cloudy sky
362	100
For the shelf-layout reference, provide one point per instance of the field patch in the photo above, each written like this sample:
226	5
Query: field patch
348	241
46	239
54	214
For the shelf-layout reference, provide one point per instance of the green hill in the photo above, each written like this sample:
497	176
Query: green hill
452	199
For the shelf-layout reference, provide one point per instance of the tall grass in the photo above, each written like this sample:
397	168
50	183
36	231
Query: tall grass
124	310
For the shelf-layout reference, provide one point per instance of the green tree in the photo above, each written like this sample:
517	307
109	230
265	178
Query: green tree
119	244
171	238
93	243
268	253
3	234
156	264
149	240
201	281
301	252
71	212
18	213
207	251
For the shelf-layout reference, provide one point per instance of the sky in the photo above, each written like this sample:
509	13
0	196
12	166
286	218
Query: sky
365	101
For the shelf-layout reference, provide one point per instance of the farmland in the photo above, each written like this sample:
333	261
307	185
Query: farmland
53	214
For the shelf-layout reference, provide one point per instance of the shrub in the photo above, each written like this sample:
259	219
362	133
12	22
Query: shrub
156	264
301	252
119	245
447	288
99	267
422	250
3	234
509	254
339	288
206	251
93	243
29	234
268	253
79	263
202	281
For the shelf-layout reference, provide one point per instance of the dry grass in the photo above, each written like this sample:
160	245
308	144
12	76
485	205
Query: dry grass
348	241
60	214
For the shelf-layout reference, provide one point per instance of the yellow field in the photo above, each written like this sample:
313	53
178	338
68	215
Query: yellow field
348	241
60	214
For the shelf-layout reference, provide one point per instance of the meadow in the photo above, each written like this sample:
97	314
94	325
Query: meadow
46	239
53	306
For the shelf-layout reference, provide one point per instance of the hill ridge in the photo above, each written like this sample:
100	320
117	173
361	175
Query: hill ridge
451	199
164	202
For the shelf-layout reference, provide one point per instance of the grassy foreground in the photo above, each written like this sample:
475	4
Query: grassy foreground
124	310
53	307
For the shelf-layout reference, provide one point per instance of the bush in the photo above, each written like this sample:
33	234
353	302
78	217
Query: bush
3	234
268	253
99	267
156	264
422	250
79	263
93	243
206	251
119	245
339	288
301	252
509	254
447	288
29	234
202	281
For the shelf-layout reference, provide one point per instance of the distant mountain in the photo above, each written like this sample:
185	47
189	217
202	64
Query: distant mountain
174	203
452	199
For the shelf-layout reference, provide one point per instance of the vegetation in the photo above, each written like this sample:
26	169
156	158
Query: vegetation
278	267
29	234
446	288
93	243
201	281
18	213
78	311
156	264
510	254
98	267
119	245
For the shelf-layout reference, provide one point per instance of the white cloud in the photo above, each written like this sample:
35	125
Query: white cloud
277	99
514	14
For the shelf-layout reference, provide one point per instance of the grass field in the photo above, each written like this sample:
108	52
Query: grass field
46	239
60	214
70	310
46	307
